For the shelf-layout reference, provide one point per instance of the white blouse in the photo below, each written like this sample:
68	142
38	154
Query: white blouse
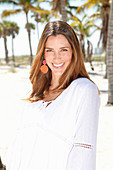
60	135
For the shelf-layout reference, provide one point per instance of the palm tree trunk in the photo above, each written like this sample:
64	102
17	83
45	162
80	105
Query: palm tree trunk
63	10
82	46
6	51
105	76
37	30
29	37
13	57
110	57
89	53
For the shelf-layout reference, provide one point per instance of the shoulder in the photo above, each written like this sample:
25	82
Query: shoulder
85	91
84	85
83	82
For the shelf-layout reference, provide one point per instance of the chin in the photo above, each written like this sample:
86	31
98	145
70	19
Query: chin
59	73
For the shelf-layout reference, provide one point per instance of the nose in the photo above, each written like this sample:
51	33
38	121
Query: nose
57	55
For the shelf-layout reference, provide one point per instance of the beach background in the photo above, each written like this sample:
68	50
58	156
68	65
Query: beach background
15	85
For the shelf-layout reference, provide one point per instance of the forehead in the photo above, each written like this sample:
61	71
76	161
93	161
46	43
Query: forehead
58	40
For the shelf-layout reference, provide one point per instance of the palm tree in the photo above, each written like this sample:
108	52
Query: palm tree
13	29
30	27
4	32
83	28
42	17
25	6
60	6
63	10
109	54
102	12
8	28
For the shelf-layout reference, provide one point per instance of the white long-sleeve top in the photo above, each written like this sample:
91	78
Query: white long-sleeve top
58	136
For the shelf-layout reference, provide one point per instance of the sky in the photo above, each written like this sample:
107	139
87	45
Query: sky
21	44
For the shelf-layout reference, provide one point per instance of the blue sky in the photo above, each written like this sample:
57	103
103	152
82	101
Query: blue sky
21	45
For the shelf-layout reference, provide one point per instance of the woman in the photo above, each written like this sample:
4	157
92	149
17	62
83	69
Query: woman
58	128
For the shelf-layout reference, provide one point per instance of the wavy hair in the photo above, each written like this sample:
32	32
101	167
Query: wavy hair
41	82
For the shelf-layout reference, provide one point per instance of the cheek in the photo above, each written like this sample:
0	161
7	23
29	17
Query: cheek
47	57
68	57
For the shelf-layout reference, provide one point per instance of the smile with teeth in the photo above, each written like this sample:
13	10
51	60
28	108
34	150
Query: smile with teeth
58	65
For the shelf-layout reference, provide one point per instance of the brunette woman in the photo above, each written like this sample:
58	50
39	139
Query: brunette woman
58	128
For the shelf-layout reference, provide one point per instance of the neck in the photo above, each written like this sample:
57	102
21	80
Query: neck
54	82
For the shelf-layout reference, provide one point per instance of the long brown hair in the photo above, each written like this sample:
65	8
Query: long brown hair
41	82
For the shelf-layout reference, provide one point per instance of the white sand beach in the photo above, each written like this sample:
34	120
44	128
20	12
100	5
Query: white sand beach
15	86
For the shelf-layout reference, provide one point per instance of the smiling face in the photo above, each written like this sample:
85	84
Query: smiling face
58	54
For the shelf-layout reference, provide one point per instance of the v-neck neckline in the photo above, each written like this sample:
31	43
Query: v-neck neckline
58	97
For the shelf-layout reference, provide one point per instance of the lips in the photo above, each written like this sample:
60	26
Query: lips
57	65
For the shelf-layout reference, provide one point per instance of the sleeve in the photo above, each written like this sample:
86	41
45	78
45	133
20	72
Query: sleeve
83	153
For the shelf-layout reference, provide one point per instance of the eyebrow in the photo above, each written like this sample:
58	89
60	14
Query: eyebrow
52	48
48	48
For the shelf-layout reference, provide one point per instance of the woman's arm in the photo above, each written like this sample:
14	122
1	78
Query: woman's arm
83	153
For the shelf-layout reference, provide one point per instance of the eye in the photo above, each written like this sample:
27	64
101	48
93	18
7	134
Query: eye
64	49
48	50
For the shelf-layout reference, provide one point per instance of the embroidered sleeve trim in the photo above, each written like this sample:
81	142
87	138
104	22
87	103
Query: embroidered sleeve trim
83	145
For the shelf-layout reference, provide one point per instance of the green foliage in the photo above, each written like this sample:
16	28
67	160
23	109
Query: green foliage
98	58
31	25
9	2
85	25
7	13
19	60
8	28
12	70
102	12
22	60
